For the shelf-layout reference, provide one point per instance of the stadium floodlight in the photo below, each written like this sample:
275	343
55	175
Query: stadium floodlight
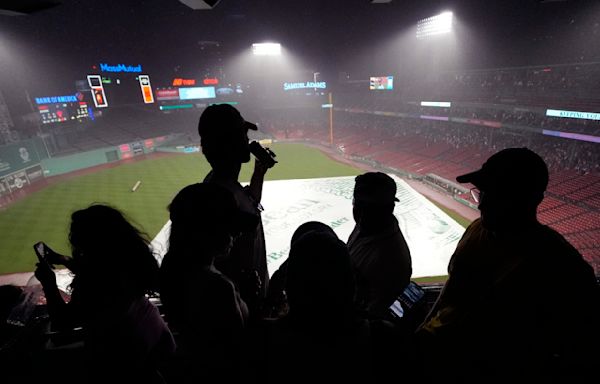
435	25
266	49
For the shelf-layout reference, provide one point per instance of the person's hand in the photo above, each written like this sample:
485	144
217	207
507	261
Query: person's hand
54	258
260	168
45	275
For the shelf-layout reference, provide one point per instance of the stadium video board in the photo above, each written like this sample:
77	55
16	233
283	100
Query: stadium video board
193	93
381	83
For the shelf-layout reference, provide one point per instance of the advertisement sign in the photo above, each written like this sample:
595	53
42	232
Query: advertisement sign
121	68
97	90
441	104
573	114
178	82
167	94
225	91
146	89
438	118
307	85
210	81
56	99
137	148
3	189
571	135
16	181
34	173
14	157
485	123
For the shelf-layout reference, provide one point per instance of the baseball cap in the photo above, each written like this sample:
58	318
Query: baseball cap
210	206
375	187
219	119
510	167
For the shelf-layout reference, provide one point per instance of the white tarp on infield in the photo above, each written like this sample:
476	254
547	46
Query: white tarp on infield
431	234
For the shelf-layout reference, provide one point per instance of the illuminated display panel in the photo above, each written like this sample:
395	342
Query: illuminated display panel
197	93
63	112
146	89
178	82
378	83
573	114
573	136
441	104
167	94
305	85
97	89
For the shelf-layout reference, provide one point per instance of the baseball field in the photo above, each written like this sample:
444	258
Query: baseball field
45	215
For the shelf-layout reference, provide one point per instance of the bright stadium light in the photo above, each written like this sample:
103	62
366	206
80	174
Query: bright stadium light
266	49
435	25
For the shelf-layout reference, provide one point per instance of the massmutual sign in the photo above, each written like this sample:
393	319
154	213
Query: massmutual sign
573	114
307	85
121	68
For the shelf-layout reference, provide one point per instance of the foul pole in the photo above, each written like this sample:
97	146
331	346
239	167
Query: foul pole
330	120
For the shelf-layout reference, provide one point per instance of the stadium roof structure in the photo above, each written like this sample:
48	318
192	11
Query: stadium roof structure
25	7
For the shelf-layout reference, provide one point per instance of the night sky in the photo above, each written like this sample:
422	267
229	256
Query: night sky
43	51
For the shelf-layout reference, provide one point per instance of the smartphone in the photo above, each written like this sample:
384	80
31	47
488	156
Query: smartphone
411	295
397	310
41	250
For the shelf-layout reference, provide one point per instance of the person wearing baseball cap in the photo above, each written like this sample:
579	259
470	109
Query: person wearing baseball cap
378	250
224	140
224	135
520	301
508	188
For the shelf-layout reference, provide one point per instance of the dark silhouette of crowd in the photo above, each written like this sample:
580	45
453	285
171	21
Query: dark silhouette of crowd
520	302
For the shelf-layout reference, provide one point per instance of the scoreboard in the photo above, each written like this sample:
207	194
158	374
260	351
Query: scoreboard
64	112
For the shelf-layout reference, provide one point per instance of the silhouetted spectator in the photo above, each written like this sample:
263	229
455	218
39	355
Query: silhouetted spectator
520	302
378	251
276	296
321	337
224	139
202	305
124	335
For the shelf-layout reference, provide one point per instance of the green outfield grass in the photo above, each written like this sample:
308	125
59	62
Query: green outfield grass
463	221
45	215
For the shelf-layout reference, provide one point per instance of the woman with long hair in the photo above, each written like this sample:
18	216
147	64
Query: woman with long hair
114	269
